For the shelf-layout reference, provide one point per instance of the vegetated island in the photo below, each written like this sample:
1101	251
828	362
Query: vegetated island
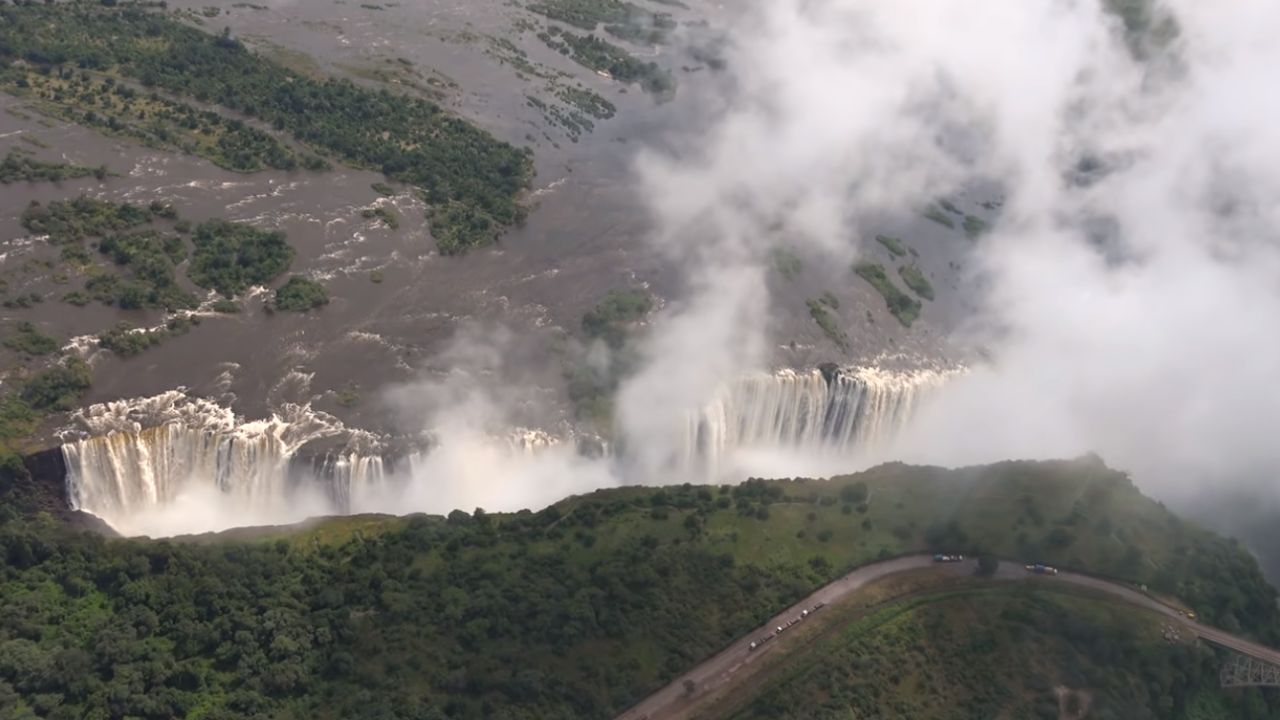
20	166
903	307
582	609
119	65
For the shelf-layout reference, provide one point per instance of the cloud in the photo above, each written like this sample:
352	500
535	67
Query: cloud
1128	312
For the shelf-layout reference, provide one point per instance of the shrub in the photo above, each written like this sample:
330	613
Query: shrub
28	339
892	244
916	280
58	388
229	257
901	305
300	295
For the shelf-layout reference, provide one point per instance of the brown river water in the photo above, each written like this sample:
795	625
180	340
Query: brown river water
586	232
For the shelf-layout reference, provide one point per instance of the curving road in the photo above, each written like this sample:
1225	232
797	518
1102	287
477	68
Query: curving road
719	670
1202	631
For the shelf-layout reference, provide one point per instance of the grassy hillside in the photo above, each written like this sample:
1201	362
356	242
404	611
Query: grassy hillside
576	611
1006	653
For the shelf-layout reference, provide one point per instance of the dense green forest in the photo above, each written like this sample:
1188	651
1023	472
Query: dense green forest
471	178
575	611
1009	653
230	257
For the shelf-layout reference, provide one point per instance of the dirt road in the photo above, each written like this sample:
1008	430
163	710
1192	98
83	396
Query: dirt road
682	694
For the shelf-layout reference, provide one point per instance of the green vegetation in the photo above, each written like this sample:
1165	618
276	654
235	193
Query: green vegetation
818	310
117	108
458	227
23	405
645	29
384	214
67	222
20	166
595	54
58	388
892	244
225	306
587	101
147	256
126	341
587	14
151	258
787	263
27	338
592	384
230	257
407	138
572	121
916	280
23	301
300	295
940	216
383	189
614	316
1005	652
902	305
974	226
575	611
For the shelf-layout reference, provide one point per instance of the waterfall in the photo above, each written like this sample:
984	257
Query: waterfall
832	410
114	475
351	477
172	464
126	460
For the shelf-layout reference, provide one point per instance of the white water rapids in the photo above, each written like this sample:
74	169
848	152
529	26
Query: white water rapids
172	464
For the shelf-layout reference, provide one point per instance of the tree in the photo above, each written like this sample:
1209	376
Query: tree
855	493
987	565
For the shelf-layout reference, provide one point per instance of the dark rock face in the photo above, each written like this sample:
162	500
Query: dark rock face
45	486
46	483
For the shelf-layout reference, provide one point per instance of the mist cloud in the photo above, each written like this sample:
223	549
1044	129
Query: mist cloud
1128	313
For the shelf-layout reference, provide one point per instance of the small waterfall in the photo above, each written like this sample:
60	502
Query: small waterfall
350	477
830	409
